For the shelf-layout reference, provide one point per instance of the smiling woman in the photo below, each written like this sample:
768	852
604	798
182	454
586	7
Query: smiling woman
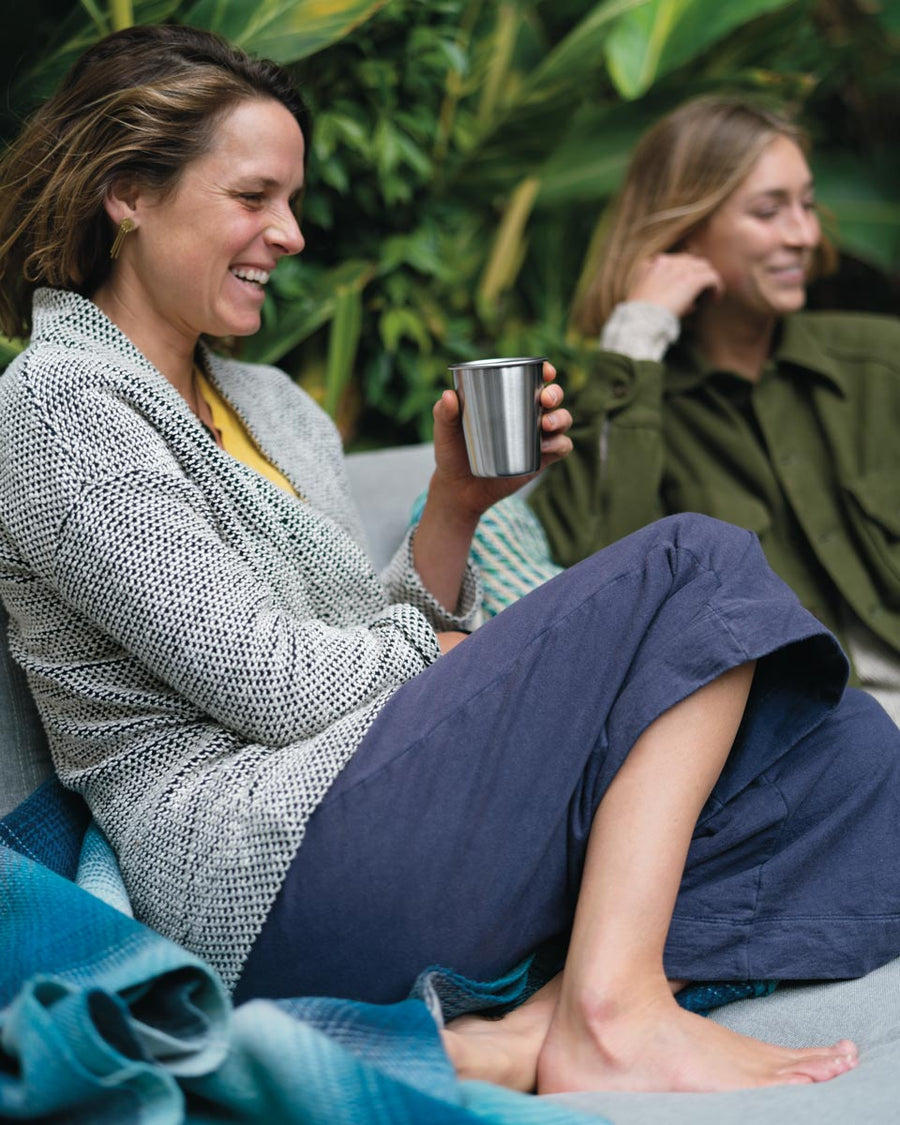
760	243
201	253
197	152
712	391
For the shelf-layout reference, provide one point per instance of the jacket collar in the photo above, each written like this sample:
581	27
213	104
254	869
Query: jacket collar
797	345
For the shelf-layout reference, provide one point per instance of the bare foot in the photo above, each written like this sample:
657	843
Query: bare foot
654	1045
503	1051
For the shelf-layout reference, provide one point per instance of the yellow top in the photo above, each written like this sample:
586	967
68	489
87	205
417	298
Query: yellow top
235	438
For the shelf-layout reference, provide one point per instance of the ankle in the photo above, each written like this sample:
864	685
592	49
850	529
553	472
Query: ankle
611	1002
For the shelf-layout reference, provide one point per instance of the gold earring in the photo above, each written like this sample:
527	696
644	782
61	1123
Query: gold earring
125	227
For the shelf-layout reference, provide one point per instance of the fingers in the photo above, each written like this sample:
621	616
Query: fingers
675	281
557	421
555	441
551	396
446	409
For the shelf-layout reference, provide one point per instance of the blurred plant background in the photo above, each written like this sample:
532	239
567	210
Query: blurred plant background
464	152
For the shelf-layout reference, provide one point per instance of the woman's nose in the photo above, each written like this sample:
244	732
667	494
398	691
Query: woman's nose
802	227
286	234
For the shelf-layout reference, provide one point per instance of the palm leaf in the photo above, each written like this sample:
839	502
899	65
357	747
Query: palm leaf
588	164
660	35
283	30
580	53
81	28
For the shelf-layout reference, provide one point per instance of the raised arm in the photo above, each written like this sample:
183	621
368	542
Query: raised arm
456	499
610	485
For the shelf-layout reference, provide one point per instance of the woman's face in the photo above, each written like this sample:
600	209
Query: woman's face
762	238
201	256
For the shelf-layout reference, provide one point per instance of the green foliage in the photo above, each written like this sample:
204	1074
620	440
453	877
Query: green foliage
656	37
463	153
283	30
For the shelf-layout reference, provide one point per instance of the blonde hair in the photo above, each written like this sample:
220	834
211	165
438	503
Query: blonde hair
681	171
138	106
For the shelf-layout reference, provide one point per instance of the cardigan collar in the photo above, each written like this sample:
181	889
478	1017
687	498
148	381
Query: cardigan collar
67	319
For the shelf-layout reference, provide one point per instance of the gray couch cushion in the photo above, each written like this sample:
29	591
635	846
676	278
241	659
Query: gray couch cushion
385	484
24	756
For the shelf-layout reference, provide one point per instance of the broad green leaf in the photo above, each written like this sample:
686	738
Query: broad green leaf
283	30
78	31
863	203
660	35
343	343
889	16
581	52
589	164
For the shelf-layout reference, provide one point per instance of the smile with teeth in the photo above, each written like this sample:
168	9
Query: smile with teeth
256	277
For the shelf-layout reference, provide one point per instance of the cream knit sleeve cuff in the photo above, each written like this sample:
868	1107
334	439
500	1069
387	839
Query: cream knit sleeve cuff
640	330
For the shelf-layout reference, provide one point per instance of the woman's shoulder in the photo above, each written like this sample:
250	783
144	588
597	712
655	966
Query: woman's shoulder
859	335
49	376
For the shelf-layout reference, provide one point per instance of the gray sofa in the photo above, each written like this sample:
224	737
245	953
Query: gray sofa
867	1010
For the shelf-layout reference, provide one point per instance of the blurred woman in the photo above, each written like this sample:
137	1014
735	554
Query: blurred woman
713	392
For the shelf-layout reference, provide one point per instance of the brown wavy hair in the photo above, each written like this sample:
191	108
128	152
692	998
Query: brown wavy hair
137	106
681	171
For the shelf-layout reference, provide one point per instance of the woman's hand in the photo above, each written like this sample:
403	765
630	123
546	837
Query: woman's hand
453	481
674	281
450	639
456	499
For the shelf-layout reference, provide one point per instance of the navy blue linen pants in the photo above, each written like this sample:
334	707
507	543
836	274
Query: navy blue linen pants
456	834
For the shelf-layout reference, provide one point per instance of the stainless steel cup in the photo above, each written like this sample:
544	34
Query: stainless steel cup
501	414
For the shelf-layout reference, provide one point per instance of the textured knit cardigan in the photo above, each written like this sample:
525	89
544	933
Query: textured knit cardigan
206	651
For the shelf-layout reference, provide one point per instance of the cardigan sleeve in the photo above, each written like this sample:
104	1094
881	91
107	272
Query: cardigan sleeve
402	581
144	560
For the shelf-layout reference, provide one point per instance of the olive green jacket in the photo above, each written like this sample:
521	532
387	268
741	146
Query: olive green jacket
808	458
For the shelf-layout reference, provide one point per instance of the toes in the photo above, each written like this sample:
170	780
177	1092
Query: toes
822	1066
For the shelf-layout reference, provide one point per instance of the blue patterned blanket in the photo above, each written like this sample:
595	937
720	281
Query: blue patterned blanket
104	1021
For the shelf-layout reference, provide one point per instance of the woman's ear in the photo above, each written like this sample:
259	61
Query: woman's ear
120	201
685	245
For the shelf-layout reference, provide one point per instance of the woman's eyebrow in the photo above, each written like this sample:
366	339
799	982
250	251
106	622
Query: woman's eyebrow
780	193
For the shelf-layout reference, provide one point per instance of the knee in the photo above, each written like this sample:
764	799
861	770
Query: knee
703	534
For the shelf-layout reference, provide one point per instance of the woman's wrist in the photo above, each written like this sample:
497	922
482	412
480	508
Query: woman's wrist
447	501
